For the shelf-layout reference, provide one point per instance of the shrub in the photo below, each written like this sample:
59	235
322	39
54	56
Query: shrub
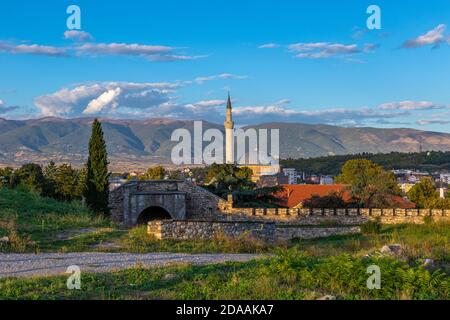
16	243
371	227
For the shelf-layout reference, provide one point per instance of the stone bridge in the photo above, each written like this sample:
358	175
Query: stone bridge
138	202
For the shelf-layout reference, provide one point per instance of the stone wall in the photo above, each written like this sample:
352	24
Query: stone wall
204	230
289	233
267	231
282	225
200	203
338	216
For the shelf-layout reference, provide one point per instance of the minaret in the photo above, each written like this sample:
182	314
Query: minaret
229	133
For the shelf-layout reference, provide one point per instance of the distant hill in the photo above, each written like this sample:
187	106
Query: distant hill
138	143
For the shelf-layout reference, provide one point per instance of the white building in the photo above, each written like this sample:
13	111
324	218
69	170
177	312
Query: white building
291	173
327	180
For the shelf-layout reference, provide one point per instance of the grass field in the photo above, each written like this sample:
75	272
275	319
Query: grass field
36	224
303	269
291	275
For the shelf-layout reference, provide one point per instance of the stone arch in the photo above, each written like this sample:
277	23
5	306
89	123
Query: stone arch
181	199
153	213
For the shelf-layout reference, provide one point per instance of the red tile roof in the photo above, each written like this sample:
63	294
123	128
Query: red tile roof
402	203
294	194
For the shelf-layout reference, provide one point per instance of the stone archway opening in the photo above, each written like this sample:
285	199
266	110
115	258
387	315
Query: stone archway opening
152	214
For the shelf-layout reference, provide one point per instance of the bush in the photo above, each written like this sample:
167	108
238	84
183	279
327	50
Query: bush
30	176
16	242
371	227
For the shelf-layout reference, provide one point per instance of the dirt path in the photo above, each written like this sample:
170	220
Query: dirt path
47	264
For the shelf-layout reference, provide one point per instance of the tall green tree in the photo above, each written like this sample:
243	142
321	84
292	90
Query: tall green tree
371	186
97	186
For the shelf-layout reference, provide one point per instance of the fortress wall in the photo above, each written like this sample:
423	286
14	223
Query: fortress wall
266	231
206	230
334	216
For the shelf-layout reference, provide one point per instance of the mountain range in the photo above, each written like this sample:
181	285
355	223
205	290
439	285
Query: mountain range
136	144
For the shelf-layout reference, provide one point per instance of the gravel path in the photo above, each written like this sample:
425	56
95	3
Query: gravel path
47	264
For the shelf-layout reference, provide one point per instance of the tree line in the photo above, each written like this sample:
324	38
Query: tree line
370	186
65	183
434	160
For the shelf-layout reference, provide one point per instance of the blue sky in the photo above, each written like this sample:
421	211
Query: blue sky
305	61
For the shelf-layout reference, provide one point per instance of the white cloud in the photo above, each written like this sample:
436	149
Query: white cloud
150	52
4	109
336	116
205	108
130	99
433	37
223	76
151	100
174	57
320	50
78	35
434	121
33	49
104	98
269	46
210	103
123	49
107	98
211	110
410	105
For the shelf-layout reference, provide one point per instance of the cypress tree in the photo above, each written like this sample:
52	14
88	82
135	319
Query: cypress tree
96	190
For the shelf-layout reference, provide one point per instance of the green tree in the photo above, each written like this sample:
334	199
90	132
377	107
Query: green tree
225	178
30	176
423	193
97	175
155	173
198	174
244	173
370	185
66	183
257	198
49	174
50	170
175	175
81	185
5	176
438	203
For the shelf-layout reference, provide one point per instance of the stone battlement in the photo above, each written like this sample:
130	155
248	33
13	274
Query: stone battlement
345	216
